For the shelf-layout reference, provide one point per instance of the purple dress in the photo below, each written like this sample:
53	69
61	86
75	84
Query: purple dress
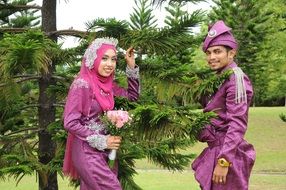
225	137
89	153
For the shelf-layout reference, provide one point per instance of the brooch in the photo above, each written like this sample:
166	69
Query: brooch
212	33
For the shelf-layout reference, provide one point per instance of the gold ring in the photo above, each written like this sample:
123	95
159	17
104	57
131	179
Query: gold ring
220	180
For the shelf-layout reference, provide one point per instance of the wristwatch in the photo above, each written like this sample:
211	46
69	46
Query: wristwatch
223	162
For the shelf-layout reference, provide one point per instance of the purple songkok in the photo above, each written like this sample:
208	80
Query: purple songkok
219	35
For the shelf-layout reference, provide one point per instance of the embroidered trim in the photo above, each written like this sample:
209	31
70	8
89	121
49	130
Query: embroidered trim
240	92
97	141
95	126
80	83
103	93
90	54
132	73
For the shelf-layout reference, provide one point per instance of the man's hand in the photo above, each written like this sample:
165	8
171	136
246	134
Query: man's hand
219	174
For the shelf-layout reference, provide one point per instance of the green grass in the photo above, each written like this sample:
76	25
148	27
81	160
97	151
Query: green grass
266	132
268	135
30	183
165	180
267	182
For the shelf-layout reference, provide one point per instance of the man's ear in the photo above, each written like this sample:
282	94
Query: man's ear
232	53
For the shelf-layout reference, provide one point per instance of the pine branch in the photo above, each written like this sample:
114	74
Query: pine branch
155	41
28	78
207	87
59	105
13	30
25	75
19	7
192	87
35	129
60	78
30	106
67	32
23	79
127	155
160	2
70	32
170	161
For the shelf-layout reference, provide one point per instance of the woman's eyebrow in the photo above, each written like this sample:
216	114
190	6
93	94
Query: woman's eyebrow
106	55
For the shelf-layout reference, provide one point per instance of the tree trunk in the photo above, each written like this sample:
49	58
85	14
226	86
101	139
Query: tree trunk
47	148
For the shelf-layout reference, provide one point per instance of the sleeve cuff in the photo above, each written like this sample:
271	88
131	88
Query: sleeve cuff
97	141
227	157
132	73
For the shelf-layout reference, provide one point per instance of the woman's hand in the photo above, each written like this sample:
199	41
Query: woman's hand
219	174
130	58
113	142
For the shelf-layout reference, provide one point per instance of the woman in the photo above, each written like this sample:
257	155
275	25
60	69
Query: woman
92	93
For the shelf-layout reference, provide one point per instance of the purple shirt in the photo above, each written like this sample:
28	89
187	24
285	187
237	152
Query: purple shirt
225	138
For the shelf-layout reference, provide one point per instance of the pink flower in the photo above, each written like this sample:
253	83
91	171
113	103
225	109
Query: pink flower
115	120
118	117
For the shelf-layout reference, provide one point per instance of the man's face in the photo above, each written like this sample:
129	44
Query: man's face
218	57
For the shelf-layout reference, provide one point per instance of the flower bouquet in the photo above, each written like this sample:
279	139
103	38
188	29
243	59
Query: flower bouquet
115	121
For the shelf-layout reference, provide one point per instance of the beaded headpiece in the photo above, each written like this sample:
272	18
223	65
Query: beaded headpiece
90	54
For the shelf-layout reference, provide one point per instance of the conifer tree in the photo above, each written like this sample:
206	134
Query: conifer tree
272	54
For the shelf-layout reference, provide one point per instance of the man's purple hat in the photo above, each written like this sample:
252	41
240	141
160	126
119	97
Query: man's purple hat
219	35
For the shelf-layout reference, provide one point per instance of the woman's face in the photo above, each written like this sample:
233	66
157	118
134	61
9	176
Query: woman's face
107	64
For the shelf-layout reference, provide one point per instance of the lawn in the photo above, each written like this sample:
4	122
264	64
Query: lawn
266	132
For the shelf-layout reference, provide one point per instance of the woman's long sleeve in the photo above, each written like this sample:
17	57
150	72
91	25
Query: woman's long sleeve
133	89
77	102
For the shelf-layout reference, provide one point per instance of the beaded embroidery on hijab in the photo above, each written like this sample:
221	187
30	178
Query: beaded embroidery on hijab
101	86
90	54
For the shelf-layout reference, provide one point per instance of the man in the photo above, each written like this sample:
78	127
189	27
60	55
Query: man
227	161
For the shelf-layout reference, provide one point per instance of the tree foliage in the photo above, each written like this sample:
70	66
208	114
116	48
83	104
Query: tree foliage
272	54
